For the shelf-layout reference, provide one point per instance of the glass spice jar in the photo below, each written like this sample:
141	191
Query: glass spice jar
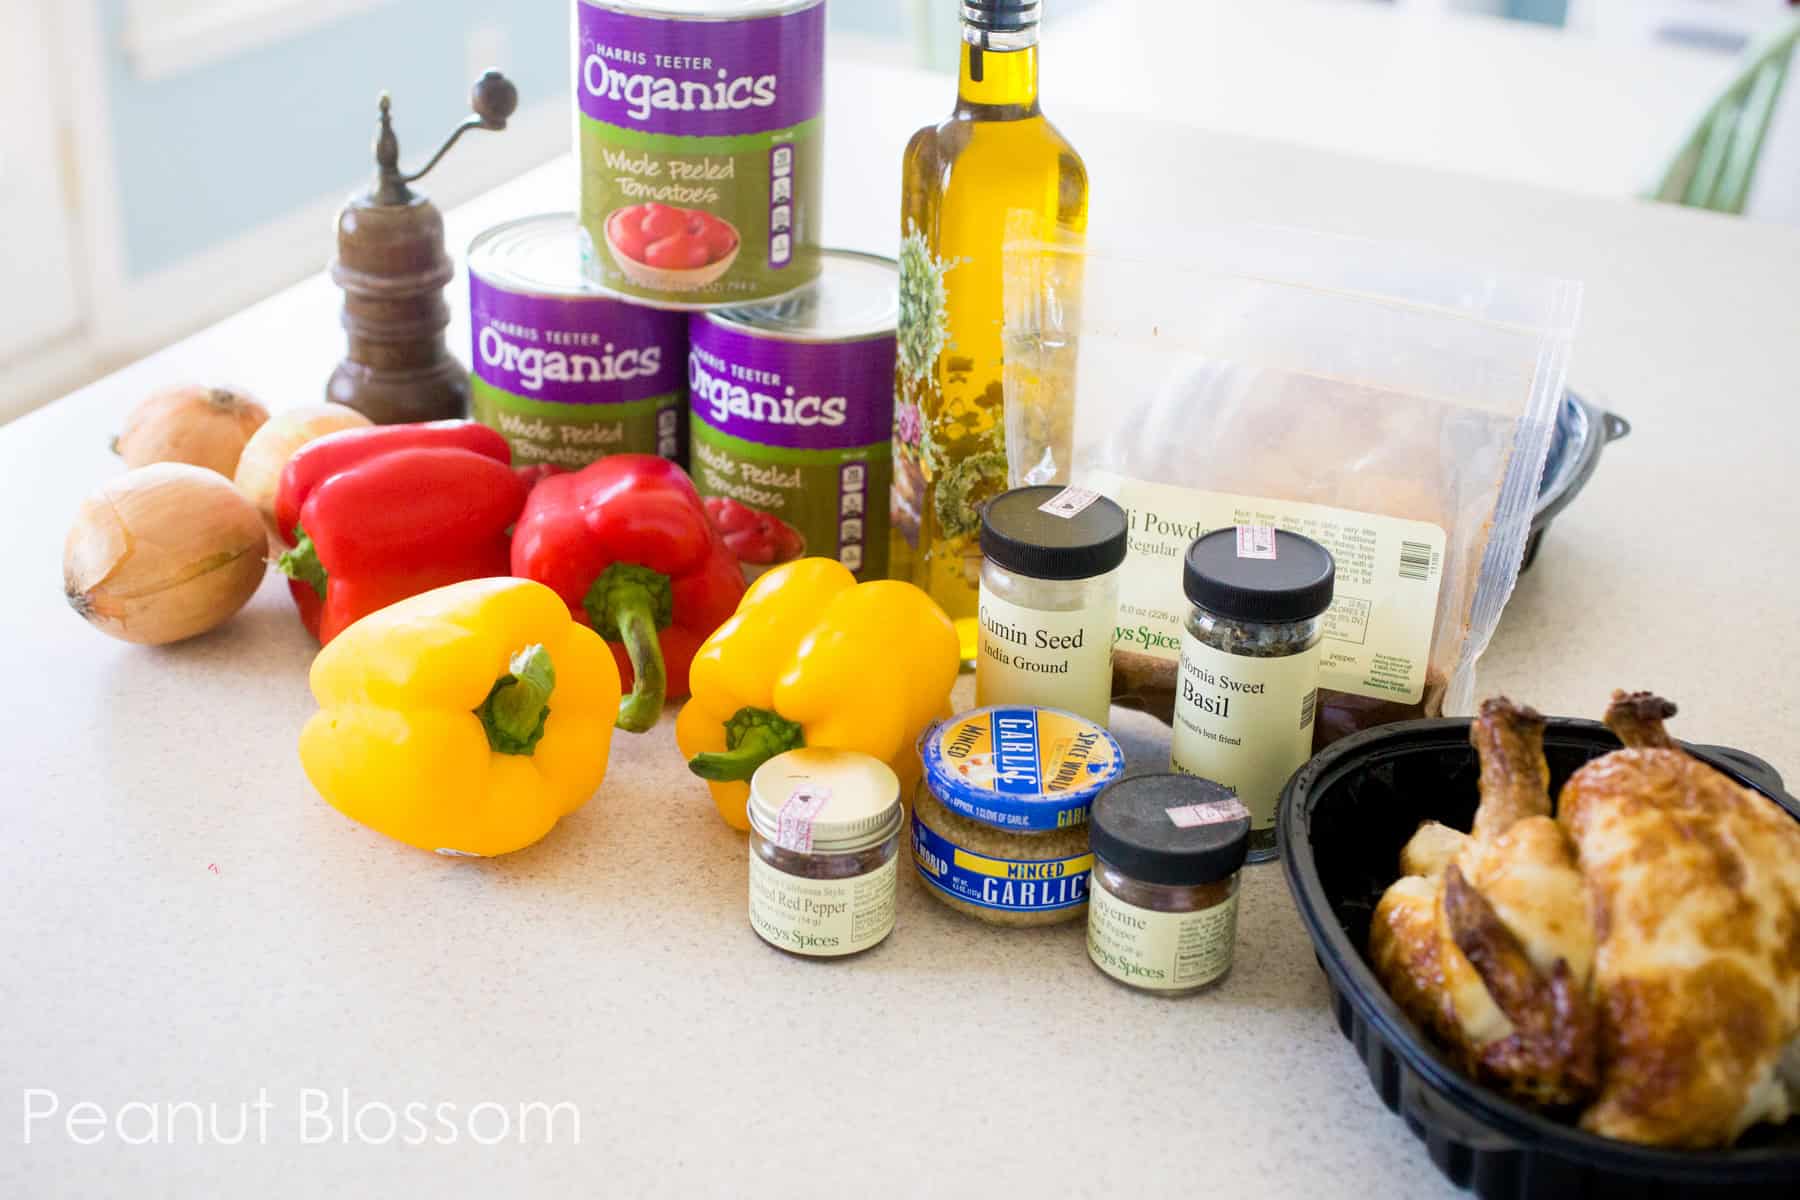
1049	600
997	819
824	843
1162	909
1248	686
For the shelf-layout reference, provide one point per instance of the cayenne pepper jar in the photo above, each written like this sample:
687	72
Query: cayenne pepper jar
1249	679
1162	907
824	843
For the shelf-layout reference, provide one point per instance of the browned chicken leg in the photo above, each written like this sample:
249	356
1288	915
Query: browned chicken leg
1694	886
1485	939
1637	718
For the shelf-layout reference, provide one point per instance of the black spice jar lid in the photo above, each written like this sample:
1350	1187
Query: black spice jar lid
1052	532
1178	830
1266	575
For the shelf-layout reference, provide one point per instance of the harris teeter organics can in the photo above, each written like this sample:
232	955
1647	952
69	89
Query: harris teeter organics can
701	147
792	410
567	373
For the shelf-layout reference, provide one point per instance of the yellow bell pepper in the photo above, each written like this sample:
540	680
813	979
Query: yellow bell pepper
466	720
811	657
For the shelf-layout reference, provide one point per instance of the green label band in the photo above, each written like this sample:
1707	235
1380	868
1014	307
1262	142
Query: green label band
574	435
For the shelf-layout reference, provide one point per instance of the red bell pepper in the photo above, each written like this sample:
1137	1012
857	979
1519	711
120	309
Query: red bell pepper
626	544
376	515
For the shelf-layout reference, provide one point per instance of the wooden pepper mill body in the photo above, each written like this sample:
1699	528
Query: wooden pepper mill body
392	265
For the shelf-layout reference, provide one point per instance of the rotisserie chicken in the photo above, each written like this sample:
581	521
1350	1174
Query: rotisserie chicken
1637	958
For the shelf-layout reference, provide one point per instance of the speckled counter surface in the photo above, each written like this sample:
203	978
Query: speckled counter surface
184	921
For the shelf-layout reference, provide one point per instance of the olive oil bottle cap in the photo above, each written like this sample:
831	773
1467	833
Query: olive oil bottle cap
1001	16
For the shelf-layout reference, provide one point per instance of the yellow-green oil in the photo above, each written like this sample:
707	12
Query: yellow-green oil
964	181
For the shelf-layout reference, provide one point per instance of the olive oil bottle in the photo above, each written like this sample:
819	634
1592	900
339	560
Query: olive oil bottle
965	180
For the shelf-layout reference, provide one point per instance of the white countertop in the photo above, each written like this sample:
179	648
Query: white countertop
185	920
1447	90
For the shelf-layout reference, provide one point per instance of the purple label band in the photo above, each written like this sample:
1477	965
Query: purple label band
592	350
797	395
701	78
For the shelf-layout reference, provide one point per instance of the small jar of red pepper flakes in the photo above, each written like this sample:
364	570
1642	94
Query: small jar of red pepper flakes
824	841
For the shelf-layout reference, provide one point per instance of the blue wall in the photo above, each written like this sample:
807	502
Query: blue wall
225	148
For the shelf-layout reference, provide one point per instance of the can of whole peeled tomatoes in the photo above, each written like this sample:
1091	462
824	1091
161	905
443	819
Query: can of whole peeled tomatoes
566	372
792	418
701	147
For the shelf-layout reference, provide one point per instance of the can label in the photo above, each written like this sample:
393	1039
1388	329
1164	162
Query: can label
790	446
567	380
1006	884
701	152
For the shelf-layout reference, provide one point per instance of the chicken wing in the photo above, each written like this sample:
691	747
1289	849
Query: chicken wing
1694	889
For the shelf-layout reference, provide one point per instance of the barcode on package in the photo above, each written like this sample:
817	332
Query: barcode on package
1309	707
1415	560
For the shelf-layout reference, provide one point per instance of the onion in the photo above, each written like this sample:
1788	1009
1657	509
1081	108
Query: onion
203	426
259	469
163	553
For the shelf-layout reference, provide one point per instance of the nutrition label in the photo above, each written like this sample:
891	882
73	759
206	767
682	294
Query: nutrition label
781	205
1389	571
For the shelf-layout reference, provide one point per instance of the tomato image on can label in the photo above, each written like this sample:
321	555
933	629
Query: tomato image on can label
700	145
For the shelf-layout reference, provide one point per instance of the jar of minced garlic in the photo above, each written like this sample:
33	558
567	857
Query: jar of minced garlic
824	847
1000	817
1167	853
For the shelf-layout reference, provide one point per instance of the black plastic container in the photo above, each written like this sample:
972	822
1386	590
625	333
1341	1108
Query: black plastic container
1343	819
1582	431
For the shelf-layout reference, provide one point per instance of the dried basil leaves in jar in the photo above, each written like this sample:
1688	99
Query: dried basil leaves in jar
1248	687
824	843
1162	908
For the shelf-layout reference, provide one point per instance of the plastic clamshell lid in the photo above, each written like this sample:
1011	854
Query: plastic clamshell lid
824	801
1020	768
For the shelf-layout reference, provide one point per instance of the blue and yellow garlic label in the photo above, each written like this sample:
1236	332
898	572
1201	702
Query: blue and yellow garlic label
1011	885
1018	767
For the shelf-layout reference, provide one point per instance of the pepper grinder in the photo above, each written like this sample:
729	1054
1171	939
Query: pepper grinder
392	266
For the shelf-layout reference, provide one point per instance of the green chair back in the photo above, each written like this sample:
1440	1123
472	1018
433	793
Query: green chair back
1716	162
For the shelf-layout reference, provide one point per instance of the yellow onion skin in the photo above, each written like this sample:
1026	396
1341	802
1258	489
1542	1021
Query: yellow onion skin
163	553
205	426
259	468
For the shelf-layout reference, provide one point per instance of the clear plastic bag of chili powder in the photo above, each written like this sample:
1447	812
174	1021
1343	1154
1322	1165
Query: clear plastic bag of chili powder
1394	408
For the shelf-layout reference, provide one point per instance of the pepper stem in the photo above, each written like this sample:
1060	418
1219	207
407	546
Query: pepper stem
518	706
302	562
752	737
629	604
